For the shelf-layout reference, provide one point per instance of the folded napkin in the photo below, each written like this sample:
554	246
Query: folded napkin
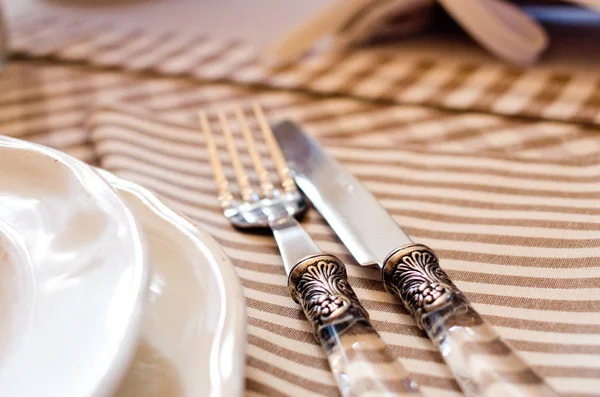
511	210
498	25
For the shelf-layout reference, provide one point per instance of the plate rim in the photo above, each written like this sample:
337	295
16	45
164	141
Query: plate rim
123	349
233	316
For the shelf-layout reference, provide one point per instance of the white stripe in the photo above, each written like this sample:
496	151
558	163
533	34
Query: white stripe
563	360
575	385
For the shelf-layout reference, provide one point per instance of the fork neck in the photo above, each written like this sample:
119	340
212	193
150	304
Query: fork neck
293	241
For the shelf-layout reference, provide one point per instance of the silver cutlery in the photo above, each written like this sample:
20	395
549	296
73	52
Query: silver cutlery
483	364
359	359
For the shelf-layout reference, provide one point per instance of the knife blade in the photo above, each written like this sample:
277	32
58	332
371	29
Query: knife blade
481	361
362	224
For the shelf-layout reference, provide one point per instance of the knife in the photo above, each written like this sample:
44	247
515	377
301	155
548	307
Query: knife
483	364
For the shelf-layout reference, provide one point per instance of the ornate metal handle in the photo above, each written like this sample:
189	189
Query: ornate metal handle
359	359
483	364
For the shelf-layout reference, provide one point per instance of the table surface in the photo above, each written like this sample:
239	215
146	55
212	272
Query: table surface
495	167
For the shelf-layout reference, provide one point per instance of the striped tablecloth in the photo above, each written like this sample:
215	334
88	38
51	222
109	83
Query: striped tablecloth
506	190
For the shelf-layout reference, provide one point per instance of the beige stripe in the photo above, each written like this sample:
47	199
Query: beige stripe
589	108
346	73
381	313
503	83
370	175
26	33
63	36
468	159
547	177
227	64
302	370
415	211
461	75
420	215
282	381
570	99
30	23
417	216
472	88
477	295
291	377
301	74
437	77
168	48
551	90
379	83
256	388
97	44
30	92
446	209
132	48
185	61
514	100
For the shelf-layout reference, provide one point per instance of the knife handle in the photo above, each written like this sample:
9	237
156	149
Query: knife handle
358	357
483	364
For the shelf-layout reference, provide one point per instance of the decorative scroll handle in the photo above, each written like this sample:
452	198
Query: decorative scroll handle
483	364
359	359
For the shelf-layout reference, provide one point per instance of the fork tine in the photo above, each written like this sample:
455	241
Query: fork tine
280	164
266	187
238	168
225	196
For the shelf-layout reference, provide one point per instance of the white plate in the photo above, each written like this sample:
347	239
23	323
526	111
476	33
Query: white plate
194	329
72	276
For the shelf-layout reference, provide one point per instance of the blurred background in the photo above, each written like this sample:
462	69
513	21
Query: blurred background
573	30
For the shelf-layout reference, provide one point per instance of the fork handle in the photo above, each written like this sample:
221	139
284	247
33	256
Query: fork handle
359	359
483	364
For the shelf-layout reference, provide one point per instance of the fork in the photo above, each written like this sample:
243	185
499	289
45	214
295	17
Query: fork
359	359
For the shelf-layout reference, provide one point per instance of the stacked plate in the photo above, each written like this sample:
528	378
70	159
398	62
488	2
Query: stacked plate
104	291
